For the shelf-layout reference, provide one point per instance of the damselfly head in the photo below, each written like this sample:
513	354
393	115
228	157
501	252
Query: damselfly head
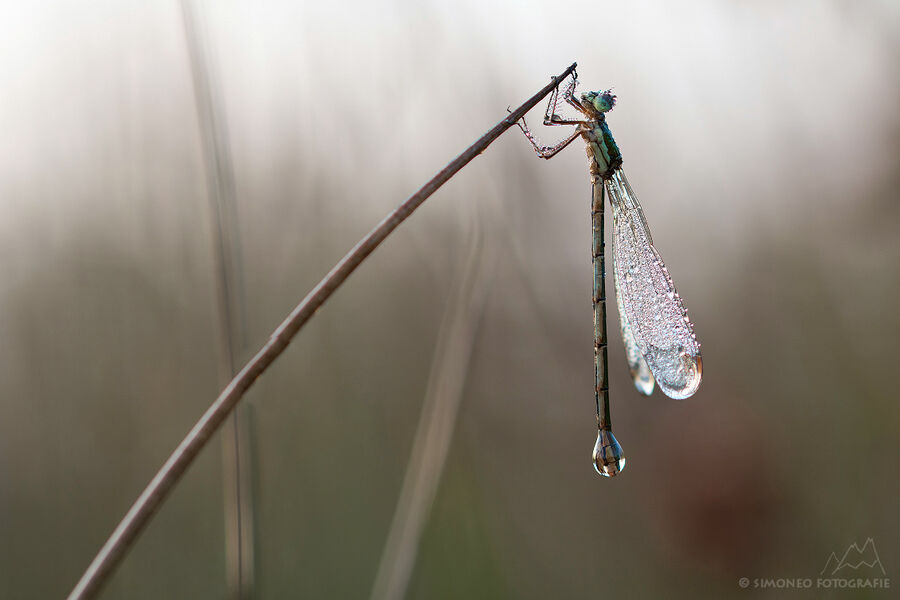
599	101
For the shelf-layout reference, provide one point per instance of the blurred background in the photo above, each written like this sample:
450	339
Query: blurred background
763	139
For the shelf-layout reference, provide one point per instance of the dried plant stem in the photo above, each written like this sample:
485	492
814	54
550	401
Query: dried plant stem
437	421
237	458
172	470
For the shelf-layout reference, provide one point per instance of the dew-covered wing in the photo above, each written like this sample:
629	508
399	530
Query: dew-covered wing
652	309
640	371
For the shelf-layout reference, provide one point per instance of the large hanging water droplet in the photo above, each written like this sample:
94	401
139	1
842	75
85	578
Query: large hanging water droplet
609	458
678	373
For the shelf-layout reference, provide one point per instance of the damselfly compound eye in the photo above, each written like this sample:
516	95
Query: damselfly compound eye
604	101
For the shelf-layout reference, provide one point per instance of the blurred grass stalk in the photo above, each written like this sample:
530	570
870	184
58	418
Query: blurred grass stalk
437	422
140	513
237	460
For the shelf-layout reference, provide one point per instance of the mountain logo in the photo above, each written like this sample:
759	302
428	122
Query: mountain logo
854	558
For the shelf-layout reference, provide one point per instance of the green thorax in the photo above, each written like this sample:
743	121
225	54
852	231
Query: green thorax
602	149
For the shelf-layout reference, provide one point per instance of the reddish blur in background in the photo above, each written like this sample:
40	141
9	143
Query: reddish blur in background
763	139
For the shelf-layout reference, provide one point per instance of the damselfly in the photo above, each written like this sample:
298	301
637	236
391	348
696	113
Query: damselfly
660	345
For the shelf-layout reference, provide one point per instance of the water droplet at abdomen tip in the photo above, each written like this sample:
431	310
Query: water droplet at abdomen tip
609	459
